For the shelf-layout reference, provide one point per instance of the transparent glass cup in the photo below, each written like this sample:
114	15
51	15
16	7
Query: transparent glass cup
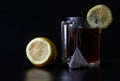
88	39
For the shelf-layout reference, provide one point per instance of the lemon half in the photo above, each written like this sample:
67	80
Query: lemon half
41	51
99	16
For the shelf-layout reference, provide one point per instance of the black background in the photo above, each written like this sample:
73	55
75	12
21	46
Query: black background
21	21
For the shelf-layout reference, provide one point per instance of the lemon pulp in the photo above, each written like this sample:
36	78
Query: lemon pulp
41	51
99	16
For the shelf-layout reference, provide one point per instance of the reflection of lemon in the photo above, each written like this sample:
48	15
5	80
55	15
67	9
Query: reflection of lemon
35	74
99	16
41	51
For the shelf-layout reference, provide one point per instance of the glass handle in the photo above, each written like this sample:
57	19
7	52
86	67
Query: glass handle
64	39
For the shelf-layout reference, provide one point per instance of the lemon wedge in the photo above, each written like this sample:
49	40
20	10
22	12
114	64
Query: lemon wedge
41	51
99	16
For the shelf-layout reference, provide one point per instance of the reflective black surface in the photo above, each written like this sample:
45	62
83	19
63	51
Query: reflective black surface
61	74
108	71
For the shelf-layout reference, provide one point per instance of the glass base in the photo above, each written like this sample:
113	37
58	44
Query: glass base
94	64
91	64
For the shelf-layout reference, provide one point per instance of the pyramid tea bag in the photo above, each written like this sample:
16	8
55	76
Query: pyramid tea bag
77	60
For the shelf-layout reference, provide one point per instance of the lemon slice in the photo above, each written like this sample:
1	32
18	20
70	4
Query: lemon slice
41	51
99	16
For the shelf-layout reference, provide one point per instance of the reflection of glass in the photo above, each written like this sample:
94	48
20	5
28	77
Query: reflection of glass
88	39
92	74
38	75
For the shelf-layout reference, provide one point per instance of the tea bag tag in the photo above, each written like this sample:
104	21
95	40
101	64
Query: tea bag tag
77	60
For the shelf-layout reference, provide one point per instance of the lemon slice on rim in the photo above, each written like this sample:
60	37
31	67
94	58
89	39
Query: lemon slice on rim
41	51
99	16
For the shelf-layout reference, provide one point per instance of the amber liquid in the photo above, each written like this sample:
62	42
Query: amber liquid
88	43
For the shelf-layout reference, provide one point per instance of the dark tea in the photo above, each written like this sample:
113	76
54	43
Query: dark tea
76	32
88	43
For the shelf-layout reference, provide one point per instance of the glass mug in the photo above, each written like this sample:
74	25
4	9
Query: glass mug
88	39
